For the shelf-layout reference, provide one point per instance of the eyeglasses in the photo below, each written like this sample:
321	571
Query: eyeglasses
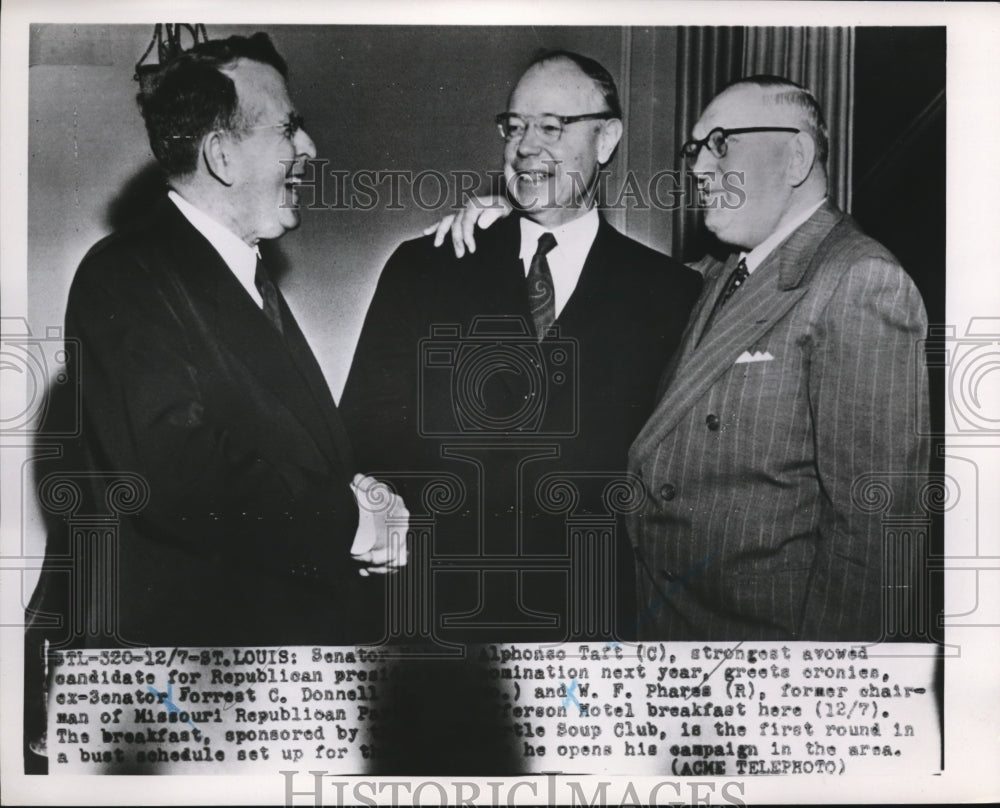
549	127
716	140
295	124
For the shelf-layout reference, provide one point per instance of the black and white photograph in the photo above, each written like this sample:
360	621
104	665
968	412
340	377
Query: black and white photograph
549	403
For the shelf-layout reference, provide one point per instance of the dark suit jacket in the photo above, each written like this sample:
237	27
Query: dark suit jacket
246	533
434	392
765	477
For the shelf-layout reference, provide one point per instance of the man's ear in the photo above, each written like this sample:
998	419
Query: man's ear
801	156
217	156
611	133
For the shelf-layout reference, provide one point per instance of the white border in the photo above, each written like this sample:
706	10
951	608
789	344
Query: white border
972	698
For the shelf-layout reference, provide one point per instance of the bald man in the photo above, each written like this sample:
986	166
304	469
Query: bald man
796	386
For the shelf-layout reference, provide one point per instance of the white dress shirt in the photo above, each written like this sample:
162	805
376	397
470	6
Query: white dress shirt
241	259
239	256
756	256
573	242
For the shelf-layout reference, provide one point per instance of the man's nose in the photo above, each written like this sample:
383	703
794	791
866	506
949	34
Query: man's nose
304	146
705	162
530	142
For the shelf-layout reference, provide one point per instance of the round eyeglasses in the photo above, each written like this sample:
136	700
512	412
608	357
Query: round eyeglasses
715	140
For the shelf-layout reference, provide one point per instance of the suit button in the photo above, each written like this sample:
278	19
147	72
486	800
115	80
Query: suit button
668	492
668	576
712	422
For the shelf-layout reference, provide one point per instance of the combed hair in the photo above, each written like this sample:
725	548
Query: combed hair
192	96
786	91
591	68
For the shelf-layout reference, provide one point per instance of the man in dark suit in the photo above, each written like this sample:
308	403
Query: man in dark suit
798	393
200	390
521	373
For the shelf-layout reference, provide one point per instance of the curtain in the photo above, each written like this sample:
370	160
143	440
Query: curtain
707	60
821	59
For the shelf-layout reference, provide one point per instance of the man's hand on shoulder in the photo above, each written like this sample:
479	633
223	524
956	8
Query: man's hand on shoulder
481	210
380	542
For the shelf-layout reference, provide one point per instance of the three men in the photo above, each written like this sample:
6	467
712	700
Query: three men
200	390
797	384
195	376
528	365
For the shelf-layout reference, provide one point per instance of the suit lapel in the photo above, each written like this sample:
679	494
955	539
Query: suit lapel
501	262
236	322
308	367
767	296
593	290
715	280
592	284
713	275
492	284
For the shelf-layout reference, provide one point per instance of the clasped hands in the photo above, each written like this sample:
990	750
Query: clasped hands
383	521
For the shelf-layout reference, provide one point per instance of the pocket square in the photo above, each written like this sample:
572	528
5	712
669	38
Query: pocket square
756	356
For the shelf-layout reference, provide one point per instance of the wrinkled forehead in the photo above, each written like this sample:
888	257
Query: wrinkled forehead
744	105
559	87
259	87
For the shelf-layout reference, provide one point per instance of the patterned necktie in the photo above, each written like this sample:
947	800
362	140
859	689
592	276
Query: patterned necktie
270	295
740	274
735	281
541	292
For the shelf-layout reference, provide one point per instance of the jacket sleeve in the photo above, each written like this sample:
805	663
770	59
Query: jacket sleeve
380	401
869	408
213	492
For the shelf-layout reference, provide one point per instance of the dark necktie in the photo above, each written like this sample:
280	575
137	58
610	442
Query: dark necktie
541	292
270	296
735	281
740	274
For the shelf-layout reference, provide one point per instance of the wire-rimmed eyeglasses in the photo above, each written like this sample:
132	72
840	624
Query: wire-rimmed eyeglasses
291	127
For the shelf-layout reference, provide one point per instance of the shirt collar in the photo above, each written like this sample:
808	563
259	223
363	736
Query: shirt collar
573	239
239	256
756	256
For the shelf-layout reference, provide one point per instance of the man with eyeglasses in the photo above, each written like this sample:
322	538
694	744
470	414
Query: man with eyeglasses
797	399
196	381
579	322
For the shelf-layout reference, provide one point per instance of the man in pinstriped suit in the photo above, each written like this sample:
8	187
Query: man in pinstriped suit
796	382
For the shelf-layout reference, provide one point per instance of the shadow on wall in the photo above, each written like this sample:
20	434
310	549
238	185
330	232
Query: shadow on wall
139	194
135	197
